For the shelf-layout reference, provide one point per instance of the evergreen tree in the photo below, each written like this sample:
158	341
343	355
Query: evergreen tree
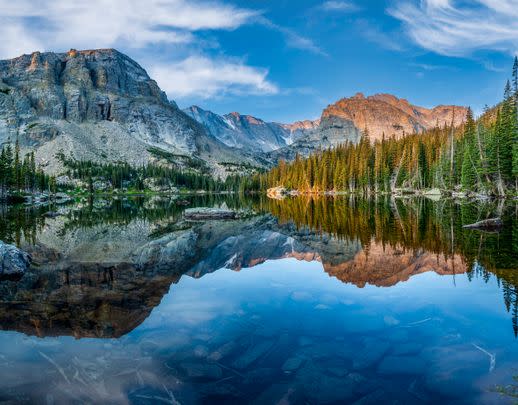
470	160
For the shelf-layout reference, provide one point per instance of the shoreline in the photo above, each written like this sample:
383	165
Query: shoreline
33	199
281	192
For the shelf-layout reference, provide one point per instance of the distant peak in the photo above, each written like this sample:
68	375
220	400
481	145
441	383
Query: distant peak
359	95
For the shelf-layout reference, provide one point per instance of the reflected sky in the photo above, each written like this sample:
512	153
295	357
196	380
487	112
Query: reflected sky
417	341
307	301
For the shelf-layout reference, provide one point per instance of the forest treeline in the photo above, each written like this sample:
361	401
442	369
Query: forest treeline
21	175
481	156
125	176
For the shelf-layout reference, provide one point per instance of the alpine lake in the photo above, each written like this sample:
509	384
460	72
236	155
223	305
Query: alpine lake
324	300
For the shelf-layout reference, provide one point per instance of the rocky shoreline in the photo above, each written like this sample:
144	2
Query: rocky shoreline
282	192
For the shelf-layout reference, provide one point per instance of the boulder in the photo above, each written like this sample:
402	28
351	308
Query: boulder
491	224
276	192
13	261
200	214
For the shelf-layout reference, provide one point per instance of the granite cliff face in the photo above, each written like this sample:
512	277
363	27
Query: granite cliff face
96	105
247	132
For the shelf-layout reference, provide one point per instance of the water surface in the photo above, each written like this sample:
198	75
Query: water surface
330	301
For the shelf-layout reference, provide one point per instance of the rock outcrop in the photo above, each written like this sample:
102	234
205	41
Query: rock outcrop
97	105
378	115
13	261
386	114
207	213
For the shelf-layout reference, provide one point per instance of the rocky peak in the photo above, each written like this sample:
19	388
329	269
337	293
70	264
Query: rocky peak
94	105
246	131
387	114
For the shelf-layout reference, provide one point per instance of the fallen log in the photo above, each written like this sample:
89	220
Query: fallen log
492	223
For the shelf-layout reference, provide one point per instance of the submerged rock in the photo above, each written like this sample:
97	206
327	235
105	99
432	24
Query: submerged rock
253	354
292	364
372	352
13	261
491	224
202	371
402	365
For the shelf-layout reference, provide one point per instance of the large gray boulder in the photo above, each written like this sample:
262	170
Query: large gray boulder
13	261
206	213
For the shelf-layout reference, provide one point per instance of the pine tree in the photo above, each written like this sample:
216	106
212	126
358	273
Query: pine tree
514	135
470	161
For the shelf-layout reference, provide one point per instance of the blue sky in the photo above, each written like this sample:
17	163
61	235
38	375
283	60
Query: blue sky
286	60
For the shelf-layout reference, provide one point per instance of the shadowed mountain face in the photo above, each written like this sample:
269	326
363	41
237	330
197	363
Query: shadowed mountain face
95	105
247	132
100	268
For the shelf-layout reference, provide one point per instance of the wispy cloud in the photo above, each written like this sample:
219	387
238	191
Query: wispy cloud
26	26
339	6
430	67
460	28
372	33
199	76
150	29
293	39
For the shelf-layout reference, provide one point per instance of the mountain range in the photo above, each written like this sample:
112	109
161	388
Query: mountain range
101	105
248	132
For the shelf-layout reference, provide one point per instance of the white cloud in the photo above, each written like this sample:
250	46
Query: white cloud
292	39
198	76
342	6
377	35
27	25
459	29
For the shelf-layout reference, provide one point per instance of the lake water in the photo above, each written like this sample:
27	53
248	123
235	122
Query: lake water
307	301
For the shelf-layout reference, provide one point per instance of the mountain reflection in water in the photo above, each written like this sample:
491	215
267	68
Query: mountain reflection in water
115	269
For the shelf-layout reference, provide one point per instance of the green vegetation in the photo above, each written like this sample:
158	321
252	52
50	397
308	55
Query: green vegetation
122	176
180	161
21	176
510	390
481	156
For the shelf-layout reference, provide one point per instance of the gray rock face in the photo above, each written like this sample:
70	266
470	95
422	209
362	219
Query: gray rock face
96	104
247	132
13	261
